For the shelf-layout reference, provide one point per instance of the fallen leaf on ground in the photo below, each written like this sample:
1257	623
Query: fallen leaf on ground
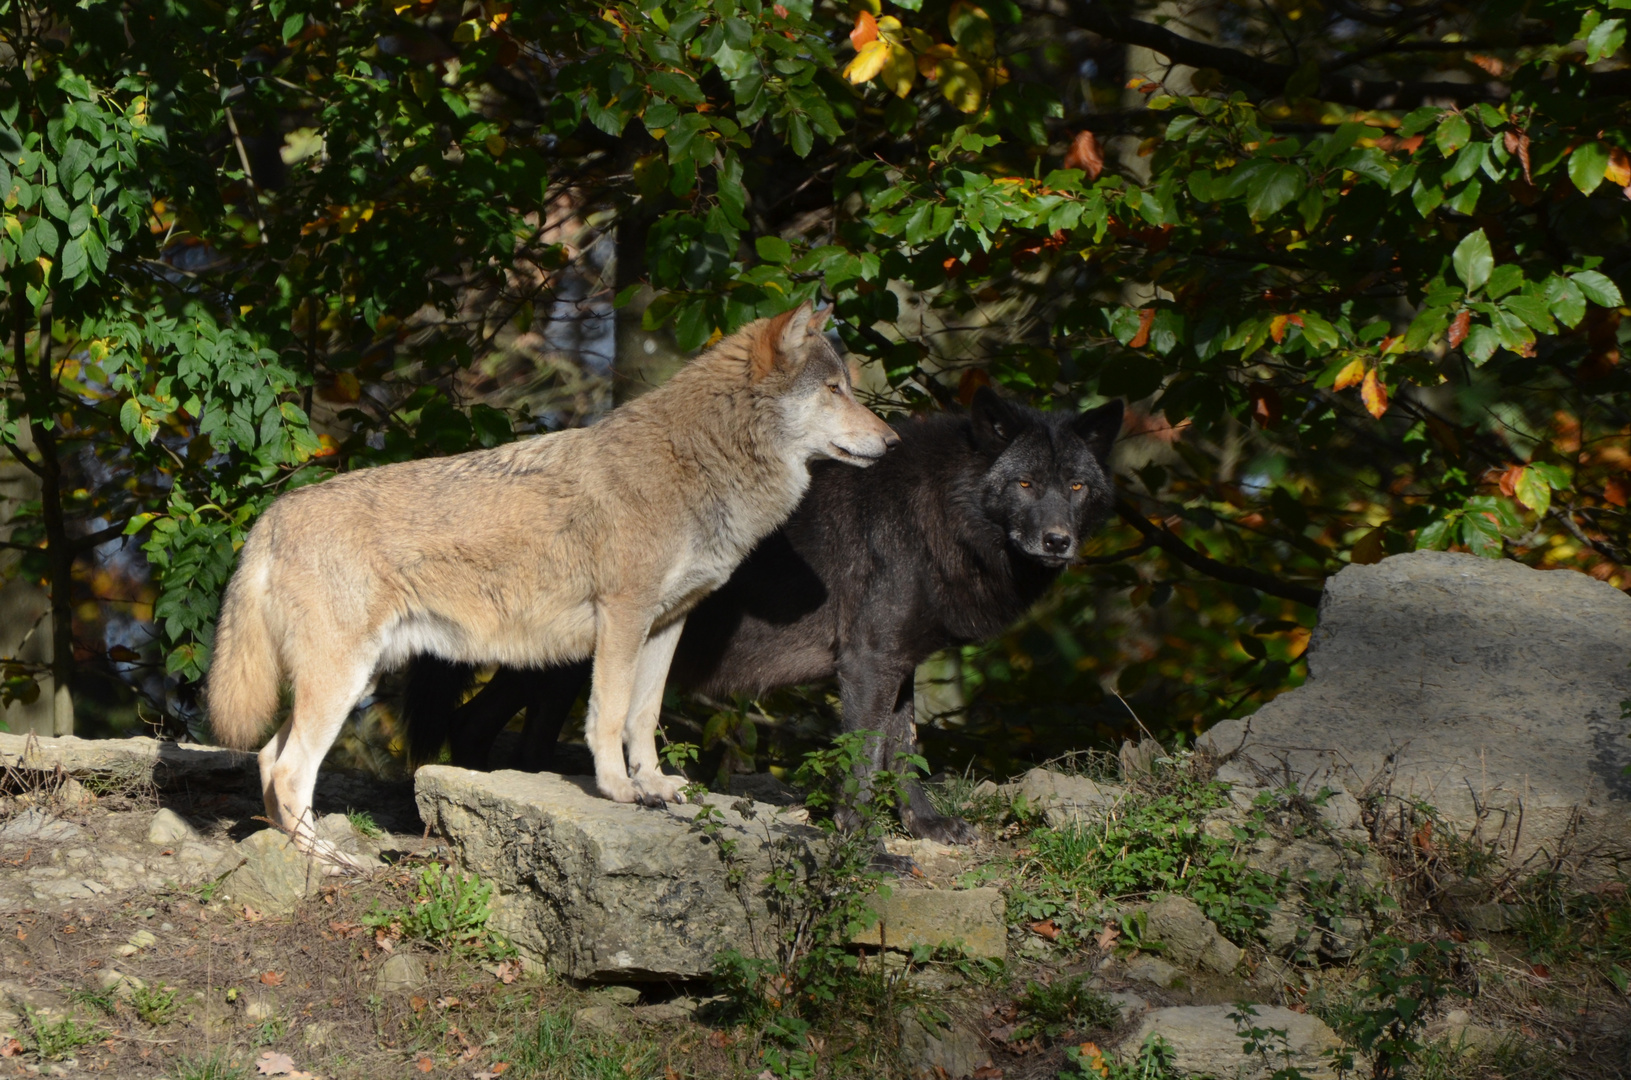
988	1072
491	1073
1047	928
508	971
272	978
251	915
447	1002
1107	937
10	1048
272	1063
425	1064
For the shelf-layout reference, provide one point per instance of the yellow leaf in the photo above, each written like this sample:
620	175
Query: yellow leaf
496	145
900	72
1374	394
1350	375
868	62
890	30
961	84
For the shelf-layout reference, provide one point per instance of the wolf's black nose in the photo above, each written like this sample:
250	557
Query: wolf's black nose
1055	543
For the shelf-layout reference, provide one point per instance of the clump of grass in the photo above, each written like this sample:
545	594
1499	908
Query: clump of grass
156	1005
211	1067
103	1003
551	1048
1153	1061
56	1039
449	910
364	823
961	796
1560	923
1053	1009
268	1031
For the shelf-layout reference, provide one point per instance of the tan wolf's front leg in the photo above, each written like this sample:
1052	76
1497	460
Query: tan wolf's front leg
620	632
640	730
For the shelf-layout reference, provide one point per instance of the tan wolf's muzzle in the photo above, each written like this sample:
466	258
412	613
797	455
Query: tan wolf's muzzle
864	438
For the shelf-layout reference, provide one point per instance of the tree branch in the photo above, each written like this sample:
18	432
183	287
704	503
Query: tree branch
99	537
1270	78
1233	575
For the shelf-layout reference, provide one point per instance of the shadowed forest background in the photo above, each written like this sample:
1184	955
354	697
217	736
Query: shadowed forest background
1356	266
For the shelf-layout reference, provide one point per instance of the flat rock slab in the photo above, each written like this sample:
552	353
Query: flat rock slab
972	920
1490	690
139	758
1205	1042
602	890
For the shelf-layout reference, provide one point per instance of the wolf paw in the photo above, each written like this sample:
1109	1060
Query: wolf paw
659	788
618	789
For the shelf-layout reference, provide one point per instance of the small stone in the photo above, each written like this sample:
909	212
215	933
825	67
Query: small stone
142	939
1130	1005
1063	799
73	793
116	982
617	995
1192	939
1153	969
971	919
318	1035
126	949
259	1008
275	876
169	828
35	825
601	1019
399	974
936	1051
1457	1029
166	927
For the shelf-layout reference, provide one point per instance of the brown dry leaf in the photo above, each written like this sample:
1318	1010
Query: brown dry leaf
509	971
1459	326
1490	64
1093	1058
1084	154
1518	143
10	1048
719	1039
417	1003
272	978
1618	172
1047	928
448	1003
1374	394
1266	407
272	1063
988	1072
1146	317
497	1069
1107	937
424	1064
1424	838
251	915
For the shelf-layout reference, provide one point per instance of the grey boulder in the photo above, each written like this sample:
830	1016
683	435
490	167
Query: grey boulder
1205	1042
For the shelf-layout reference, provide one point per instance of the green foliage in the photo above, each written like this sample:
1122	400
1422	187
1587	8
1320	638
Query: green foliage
818	901
1558	922
1154	1061
213	1066
1052	1009
1403	981
1152	842
449	910
548	1045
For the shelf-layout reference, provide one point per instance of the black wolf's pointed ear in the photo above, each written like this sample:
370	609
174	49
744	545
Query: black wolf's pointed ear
1100	427
995	422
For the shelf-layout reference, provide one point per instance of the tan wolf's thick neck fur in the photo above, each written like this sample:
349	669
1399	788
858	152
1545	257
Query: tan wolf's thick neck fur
590	541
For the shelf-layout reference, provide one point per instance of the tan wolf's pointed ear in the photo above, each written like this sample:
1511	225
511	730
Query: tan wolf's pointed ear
781	342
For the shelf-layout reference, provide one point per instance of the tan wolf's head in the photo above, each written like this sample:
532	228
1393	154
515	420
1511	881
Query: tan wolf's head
794	361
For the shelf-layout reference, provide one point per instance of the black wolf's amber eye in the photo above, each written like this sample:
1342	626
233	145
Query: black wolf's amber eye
1024	483
1076	486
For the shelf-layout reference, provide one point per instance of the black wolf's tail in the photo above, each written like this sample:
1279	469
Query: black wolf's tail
432	691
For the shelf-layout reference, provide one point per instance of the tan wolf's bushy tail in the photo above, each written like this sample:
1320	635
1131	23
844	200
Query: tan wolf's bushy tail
242	691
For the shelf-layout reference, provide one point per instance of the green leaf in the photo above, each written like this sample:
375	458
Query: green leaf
1473	260
1481	343
1555	475
1532	310
1587	165
1272	188
293	25
1481	534
74	263
1605	40
1504	279
1434	537
773	249
1452	134
1566	300
1598	288
676	86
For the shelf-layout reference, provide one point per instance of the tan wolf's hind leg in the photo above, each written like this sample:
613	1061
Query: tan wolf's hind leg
620	633
321	705
640	730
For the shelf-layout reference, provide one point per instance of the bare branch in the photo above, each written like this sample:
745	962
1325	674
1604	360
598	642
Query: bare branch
1168	542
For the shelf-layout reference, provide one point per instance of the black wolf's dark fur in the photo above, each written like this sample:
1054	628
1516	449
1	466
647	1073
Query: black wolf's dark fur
947	540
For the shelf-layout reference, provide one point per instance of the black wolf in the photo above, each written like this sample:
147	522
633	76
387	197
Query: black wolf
944	542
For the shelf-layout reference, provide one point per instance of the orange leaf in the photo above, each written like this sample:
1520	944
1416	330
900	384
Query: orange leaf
1048	929
1265	406
1508	480
272	978
1084	154
1424	837
1352	375
1277	328
425	1064
1411	145
1618	172
866	29
1374	394
1458	327
1616	491
1107	937
1142	338
970	384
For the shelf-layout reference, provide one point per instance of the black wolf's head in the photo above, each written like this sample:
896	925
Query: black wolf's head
1047	486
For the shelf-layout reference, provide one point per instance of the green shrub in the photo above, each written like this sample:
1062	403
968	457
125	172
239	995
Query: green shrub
450	910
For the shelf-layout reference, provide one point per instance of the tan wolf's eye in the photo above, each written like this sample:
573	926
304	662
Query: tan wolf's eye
1076	486
836	388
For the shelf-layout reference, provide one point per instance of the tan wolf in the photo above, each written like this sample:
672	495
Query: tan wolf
593	541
